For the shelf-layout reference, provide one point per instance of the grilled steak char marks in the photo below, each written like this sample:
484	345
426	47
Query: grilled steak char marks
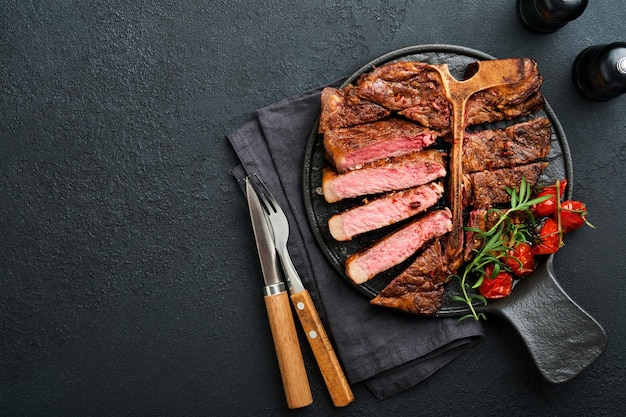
342	108
518	144
376	149
413	89
420	287
506	101
488	188
351	147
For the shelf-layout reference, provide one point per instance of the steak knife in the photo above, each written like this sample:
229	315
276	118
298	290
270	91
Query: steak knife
290	361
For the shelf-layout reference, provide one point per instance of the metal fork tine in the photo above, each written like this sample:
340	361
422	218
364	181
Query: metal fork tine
266	193
254	181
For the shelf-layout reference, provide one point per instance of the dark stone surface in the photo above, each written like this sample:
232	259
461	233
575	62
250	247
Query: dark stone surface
128	278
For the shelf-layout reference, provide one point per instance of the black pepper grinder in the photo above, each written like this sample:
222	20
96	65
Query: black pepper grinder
547	16
600	71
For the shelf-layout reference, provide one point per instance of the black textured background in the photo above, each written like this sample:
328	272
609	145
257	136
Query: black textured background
128	279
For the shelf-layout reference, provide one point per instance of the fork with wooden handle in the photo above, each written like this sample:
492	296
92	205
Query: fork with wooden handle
327	360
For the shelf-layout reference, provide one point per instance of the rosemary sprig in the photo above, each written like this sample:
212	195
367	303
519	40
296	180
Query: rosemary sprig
496	242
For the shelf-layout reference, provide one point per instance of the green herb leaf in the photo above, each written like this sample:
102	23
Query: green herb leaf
496	242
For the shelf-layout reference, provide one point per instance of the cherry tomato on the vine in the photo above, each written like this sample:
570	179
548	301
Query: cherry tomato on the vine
547	207
520	259
548	238
497	287
573	215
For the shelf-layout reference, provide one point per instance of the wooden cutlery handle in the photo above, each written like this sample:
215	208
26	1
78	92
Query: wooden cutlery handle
290	362
325	356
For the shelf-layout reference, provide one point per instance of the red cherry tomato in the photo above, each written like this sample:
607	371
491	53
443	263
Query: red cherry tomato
521	260
497	287
547	207
548	238
573	215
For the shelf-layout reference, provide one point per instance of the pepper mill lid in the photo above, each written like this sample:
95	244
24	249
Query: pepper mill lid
549	15
621	65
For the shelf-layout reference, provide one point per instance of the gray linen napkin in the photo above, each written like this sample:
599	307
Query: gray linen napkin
387	350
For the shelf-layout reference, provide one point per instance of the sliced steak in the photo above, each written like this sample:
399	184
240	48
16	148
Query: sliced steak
352	147
397	246
515	145
486	188
386	175
383	211
343	107
506	101
420	287
414	89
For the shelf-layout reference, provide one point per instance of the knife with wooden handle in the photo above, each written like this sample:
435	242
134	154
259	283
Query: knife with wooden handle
325	355
289	355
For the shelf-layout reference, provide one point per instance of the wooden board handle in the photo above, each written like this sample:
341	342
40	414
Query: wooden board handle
325	356
290	362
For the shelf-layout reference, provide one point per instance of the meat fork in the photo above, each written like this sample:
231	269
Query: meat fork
327	360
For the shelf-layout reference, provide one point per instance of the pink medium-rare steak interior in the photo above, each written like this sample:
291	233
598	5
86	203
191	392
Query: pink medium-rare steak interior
388	209
352	147
396	174
397	246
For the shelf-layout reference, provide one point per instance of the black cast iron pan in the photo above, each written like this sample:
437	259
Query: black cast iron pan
560	336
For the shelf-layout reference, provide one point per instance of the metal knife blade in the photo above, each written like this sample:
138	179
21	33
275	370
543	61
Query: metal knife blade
264	238
290	361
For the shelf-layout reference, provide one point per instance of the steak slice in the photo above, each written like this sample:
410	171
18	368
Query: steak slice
515	145
486	188
414	89
506	101
351	147
343	107
397	246
383	211
420	287
385	175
